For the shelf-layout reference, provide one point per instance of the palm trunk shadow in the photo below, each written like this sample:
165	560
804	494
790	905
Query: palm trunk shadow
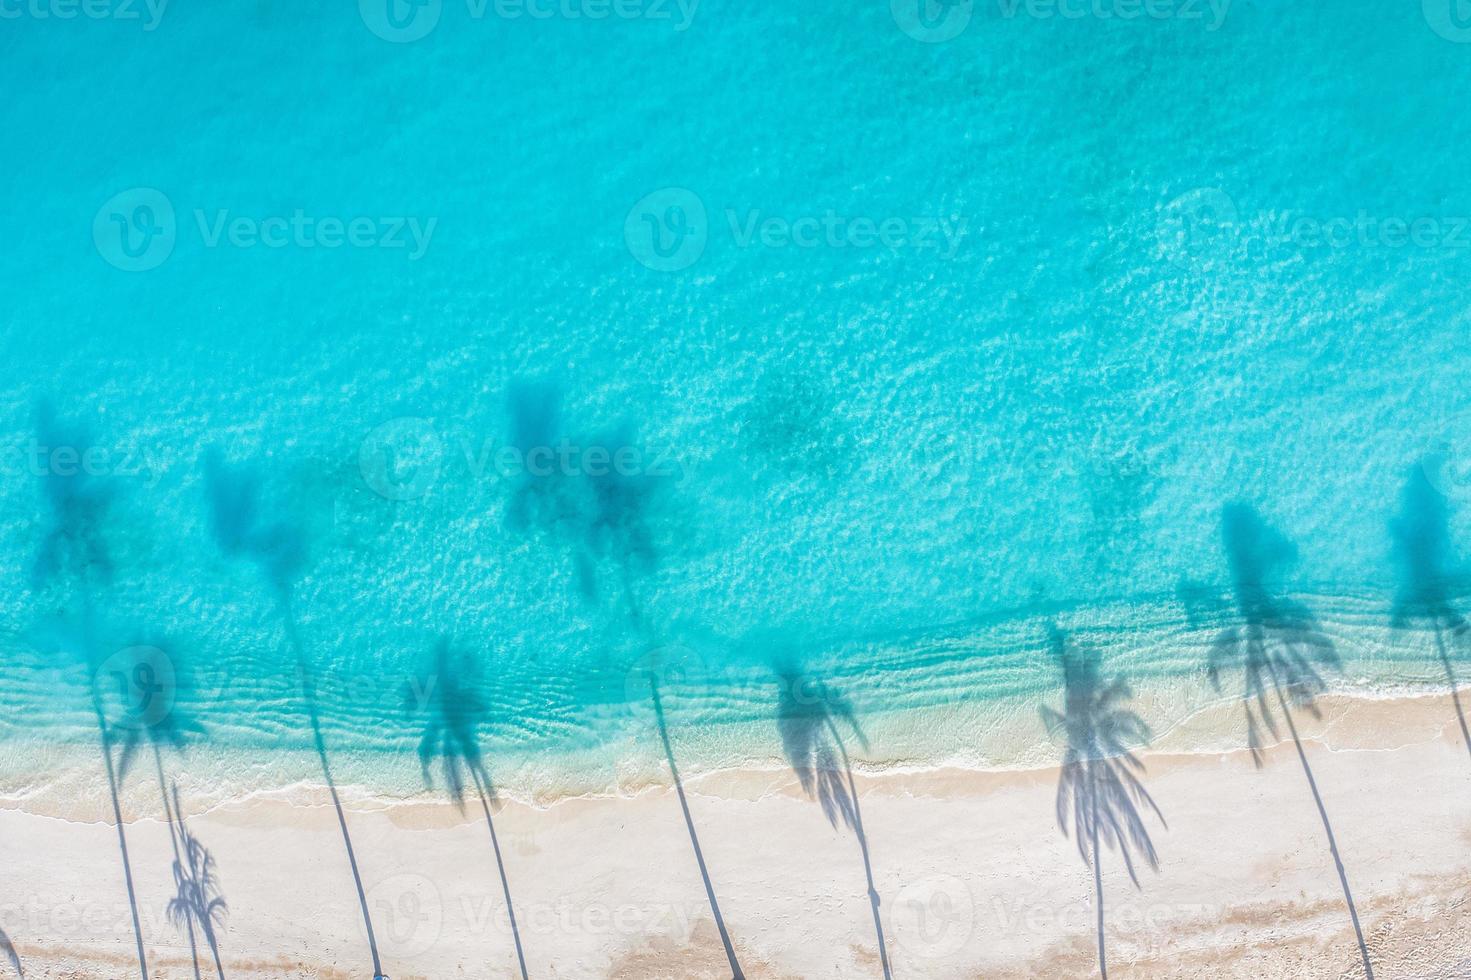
735	967
1353	912
309	695
482	782
873	895
1450	676
1098	893
122	835
112	789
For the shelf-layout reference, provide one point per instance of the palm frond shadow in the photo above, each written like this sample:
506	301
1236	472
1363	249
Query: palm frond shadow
811	718
72	545
1101	797
278	547
1282	653
198	902
448	698
1278	645
598	512
1429	581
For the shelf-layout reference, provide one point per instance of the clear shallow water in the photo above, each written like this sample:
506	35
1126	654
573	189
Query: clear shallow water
850	455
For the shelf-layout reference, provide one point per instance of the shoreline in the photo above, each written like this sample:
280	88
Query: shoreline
1213	726
607	887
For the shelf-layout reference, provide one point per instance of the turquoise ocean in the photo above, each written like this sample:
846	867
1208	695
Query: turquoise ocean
690	342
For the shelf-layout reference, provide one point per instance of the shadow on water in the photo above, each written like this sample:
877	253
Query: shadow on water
1099	791
278	547
448	698
1428	578
811	717
1281	652
72	547
73	556
590	496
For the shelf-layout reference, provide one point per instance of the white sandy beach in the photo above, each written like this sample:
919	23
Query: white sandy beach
975	878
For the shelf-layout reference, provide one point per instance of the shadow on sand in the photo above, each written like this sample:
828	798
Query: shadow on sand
689	822
278	547
1428	578
811	717
1099	791
1281	653
197	903
448	698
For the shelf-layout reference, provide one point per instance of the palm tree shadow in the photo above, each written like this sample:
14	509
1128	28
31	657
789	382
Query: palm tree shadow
1278	644
73	553
449	696
811	717
7	947
278	547
1281	652
165	723
198	902
1100	784
689	822
1428	582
